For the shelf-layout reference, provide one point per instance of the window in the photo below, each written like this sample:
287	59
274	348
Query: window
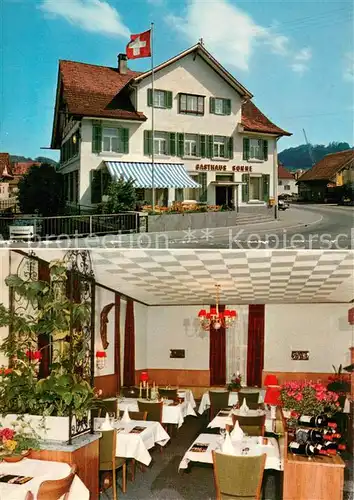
109	139
100	181
287	187
280	183
201	193
71	186
220	106
255	149
190	145
219	147
255	187
193	104
69	149
160	143
162	98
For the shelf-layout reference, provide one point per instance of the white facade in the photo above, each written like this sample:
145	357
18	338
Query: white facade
287	186
190	75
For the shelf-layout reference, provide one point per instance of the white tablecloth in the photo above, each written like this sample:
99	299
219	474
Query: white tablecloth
137	445
221	421
233	399
273	460
171	414
40	470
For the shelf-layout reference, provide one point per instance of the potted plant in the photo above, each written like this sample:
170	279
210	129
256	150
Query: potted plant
235	383
18	441
339	383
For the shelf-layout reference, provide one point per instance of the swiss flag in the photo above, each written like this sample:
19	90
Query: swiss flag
139	45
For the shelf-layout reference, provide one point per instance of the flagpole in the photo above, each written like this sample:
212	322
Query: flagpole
152	120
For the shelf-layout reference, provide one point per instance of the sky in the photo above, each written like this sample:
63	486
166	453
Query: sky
297	58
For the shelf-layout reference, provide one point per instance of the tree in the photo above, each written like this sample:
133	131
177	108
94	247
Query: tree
41	191
121	197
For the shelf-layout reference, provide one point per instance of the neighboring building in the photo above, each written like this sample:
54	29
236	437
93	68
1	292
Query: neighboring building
333	171
19	169
211	144
286	181
5	176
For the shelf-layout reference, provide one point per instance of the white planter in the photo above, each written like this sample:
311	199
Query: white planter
47	428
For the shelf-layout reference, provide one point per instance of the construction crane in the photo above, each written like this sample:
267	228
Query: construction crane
309	147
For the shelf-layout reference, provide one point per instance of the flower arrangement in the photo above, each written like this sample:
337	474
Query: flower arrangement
339	382
18	441
235	383
308	398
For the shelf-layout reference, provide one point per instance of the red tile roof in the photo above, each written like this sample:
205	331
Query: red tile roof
91	90
22	167
327	168
283	173
253	120
5	166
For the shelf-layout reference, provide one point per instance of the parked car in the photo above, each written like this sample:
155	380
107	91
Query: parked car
282	205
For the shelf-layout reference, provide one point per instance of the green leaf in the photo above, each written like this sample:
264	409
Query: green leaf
14	281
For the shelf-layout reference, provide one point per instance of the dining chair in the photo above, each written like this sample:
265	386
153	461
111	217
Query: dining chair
154	410
168	393
135	415
253	426
130	392
96	412
56	488
218	401
109	407
251	398
109	461
238	477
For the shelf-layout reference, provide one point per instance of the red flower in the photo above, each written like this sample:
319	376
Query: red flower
6	433
34	355
7	371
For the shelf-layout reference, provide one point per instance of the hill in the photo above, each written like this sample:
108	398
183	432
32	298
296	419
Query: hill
299	157
42	159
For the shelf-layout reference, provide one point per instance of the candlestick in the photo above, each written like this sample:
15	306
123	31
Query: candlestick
144	384
140	390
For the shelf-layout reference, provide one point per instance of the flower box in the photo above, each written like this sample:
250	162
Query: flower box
47	428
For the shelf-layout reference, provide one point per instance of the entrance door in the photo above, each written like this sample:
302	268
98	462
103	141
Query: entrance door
223	196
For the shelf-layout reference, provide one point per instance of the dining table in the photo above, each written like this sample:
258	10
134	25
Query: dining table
201	450
224	418
31	473
233	398
172	412
136	438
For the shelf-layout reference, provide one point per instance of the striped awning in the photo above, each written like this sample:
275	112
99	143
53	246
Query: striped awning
166	175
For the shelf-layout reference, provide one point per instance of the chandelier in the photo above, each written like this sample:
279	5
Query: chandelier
216	319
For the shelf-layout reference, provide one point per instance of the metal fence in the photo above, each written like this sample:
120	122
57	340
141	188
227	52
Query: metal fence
72	225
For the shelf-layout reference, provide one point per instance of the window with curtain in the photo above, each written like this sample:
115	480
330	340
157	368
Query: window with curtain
236	344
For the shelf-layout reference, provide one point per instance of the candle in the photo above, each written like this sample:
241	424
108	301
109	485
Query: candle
147	389
144	384
140	390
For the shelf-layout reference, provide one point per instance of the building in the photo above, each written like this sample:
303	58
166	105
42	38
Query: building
19	169
321	182
5	176
286	181
212	144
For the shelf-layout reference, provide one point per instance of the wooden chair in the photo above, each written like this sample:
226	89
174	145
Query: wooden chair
130	392
218	401
109	461
238	477
135	415
153	410
253	426
109	407
168	393
96	412
55	489
251	398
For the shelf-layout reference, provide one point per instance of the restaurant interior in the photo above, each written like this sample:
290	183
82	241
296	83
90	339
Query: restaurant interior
176	374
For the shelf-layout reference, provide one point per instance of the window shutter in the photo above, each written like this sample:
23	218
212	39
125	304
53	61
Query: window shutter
265	150
198	145
200	105
180	145
265	179
212	105
124	139
172	143
149	97
227	106
230	147
147	142
210	146
246	148
202	141
168	99
96	138
245	180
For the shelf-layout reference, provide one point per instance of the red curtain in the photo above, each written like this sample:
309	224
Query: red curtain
117	341
129	346
255	350
217	354
43	339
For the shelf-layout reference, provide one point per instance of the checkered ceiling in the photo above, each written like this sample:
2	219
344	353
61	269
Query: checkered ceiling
172	277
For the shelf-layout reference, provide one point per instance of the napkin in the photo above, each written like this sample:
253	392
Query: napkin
126	417
106	426
237	433
227	447
244	408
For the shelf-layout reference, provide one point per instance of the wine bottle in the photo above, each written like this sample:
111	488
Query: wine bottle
317	421
308	449
303	435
